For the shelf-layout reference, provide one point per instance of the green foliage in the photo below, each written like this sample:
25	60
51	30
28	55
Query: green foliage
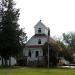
57	50
53	53
69	39
11	40
64	51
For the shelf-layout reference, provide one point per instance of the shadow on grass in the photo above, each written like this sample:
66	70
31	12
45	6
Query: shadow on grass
11	67
24	67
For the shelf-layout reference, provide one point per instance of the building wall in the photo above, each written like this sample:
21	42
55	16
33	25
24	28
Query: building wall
34	41
44	30
13	61
33	52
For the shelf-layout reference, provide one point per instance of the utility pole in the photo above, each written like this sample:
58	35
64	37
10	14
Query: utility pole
48	55
48	45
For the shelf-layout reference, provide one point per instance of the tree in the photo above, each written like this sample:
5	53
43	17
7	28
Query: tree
69	39
64	51
57	50
53	53
11	40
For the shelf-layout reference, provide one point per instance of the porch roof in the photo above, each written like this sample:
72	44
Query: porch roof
34	46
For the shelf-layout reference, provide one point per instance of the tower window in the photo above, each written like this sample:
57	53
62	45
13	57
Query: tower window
39	30
39	41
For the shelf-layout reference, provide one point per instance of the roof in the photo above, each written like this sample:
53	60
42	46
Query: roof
41	24
37	36
40	35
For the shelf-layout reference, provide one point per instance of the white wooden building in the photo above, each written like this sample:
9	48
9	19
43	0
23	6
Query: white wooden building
33	48
13	61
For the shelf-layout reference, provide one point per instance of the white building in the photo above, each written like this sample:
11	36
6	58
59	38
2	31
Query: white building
33	48
13	61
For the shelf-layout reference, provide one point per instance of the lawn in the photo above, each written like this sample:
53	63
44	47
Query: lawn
36	71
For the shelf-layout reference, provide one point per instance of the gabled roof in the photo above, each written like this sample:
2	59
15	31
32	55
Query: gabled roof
40	24
36	36
39	36
34	46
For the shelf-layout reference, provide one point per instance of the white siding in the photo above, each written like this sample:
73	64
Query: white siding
34	41
13	61
33	52
44	29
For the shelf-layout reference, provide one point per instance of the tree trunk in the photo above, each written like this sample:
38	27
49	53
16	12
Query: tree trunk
2	61
6	62
9	61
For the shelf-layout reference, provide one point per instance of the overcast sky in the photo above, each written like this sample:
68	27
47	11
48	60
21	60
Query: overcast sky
58	15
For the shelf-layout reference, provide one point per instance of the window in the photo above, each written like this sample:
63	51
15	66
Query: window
37	53
39	41
29	53
39	30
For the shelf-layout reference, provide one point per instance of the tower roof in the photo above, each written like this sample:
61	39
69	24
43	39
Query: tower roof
40	23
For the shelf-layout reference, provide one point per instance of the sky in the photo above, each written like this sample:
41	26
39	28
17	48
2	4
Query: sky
58	15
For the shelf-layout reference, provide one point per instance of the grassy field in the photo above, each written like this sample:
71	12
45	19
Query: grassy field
36	71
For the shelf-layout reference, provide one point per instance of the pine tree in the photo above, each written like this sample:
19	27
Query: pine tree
12	36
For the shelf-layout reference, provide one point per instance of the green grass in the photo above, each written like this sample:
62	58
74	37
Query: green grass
36	71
